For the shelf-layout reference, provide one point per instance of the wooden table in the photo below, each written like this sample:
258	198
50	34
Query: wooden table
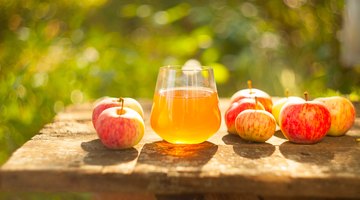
67	156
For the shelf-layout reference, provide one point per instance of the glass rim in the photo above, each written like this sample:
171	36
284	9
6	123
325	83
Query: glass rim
181	68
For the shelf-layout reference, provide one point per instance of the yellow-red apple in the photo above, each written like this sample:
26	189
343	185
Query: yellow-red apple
304	122
263	97
342	114
236	108
280	103
120	127
255	125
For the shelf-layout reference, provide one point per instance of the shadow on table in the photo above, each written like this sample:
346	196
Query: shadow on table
162	153
98	154
246	149
255	150
233	139
279	134
306	153
322	153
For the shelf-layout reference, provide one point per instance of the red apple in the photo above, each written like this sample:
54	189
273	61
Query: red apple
263	97
342	114
236	108
255	125
110	102
120	127
304	122
280	103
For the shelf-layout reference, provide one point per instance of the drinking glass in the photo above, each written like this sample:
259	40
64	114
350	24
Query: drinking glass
185	107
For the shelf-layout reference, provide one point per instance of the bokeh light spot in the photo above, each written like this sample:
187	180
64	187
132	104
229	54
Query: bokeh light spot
40	79
287	79
21	91
221	73
59	106
76	97
161	17
294	3
248	10
144	11
269	40
23	33
77	35
204	41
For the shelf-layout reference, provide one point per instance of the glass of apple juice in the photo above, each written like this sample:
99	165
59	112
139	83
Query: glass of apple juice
185	107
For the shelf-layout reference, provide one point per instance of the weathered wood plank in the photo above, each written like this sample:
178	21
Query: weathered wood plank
67	156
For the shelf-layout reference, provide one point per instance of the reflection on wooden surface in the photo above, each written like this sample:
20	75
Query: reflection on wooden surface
162	153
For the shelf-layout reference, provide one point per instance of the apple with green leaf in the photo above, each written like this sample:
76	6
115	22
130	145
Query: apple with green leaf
342	112
237	107
263	97
304	122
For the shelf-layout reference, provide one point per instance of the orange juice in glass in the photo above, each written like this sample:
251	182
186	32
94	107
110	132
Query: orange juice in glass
185	106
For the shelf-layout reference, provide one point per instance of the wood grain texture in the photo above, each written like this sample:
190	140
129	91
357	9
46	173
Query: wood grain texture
67	156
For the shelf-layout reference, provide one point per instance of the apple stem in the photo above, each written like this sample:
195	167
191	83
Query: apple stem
122	104
250	86
287	93
306	95
256	102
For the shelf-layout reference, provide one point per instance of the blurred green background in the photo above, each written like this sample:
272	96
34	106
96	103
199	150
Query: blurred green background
56	53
